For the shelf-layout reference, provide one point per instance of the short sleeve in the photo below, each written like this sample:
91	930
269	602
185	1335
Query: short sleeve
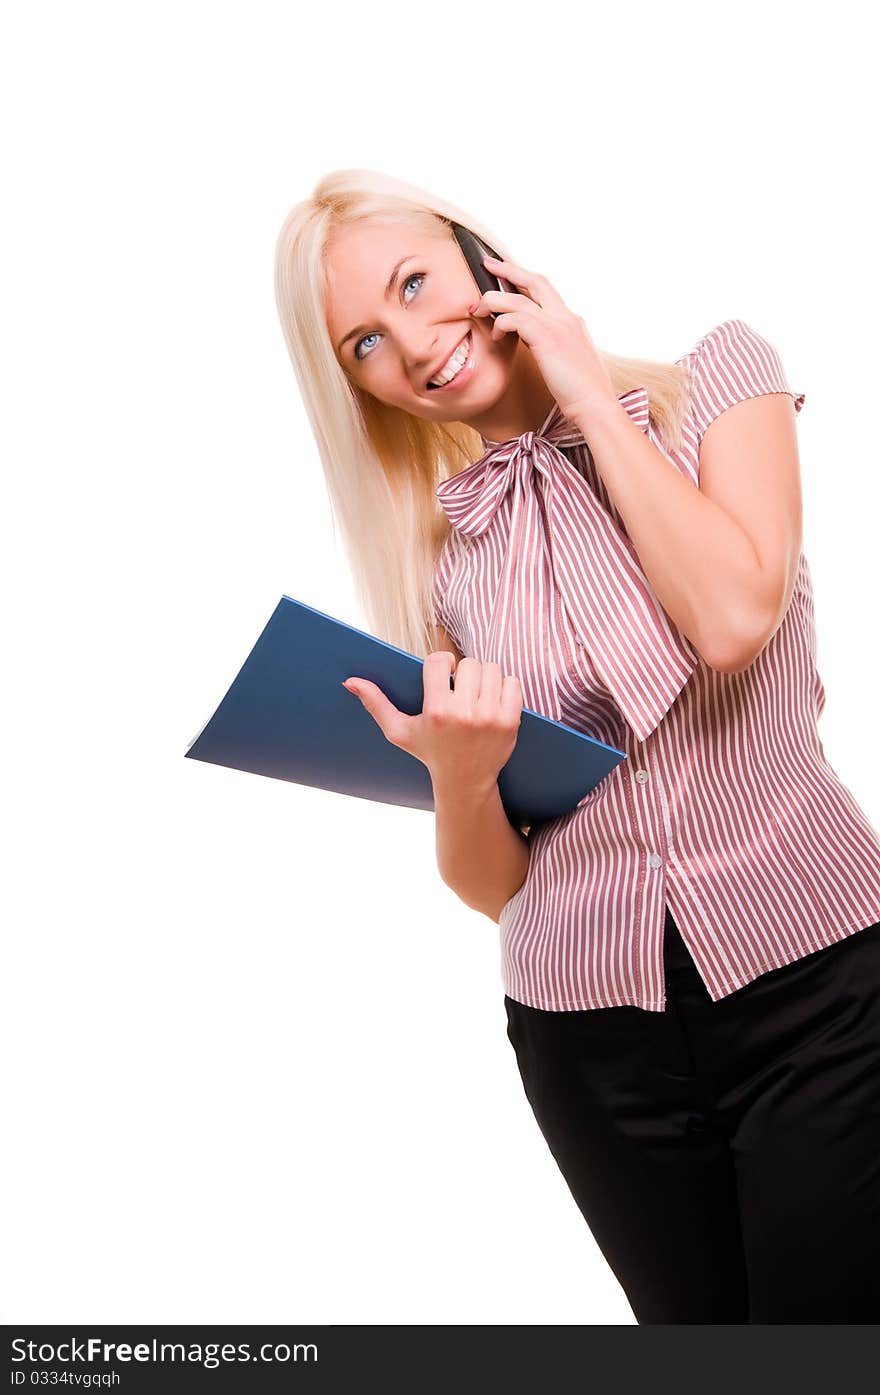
439	585
442	607
731	363
439	589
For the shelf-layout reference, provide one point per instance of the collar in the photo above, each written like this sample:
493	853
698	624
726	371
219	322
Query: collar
472	497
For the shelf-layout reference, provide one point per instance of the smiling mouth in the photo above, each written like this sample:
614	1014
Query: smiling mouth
465	367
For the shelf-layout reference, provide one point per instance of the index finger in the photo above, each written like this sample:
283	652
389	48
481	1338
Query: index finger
437	669
538	287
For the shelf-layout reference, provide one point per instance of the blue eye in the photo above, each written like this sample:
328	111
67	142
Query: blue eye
415	276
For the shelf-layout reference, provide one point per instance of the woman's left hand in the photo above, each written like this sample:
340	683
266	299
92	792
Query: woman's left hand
559	340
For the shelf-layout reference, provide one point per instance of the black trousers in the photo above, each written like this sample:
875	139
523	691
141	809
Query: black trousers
725	1155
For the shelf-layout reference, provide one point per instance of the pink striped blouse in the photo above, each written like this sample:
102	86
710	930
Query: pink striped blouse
726	808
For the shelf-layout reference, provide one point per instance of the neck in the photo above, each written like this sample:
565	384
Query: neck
522	407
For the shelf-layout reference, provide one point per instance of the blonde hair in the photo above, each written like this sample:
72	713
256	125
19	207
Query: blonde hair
381	464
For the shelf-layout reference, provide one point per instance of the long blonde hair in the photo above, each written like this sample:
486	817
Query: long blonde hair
381	464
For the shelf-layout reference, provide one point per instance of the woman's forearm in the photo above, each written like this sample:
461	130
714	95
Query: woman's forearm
701	564
480	855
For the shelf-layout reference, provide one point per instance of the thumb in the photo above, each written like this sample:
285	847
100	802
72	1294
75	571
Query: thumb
392	722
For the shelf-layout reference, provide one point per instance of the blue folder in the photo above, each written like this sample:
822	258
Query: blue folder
286	716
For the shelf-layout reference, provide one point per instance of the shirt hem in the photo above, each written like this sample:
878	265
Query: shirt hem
566	1005
716	994
822	942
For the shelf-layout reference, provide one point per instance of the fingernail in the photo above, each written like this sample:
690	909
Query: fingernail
347	685
473	308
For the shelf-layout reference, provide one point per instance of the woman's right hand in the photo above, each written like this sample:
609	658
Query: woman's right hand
465	737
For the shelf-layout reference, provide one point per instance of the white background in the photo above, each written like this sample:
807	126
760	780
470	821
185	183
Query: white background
255	1061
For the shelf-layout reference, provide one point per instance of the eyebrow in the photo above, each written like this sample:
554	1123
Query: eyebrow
388	289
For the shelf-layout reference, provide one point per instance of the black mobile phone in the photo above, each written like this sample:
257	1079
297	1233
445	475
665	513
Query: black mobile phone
473	250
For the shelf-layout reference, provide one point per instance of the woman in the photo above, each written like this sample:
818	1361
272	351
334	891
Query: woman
691	957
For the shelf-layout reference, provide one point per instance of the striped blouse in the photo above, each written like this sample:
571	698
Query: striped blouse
726	808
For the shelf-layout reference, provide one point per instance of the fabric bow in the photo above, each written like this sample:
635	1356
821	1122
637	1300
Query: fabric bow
641	657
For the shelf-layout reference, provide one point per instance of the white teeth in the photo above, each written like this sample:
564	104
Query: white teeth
451	367
453	364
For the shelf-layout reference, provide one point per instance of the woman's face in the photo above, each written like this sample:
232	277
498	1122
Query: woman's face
397	307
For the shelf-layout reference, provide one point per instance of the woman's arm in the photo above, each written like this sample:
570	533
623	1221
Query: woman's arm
719	557
480	855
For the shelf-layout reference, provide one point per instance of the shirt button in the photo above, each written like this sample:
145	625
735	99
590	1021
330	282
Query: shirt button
655	860
641	776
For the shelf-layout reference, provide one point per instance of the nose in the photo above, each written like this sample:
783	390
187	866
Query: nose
419	348
420	359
